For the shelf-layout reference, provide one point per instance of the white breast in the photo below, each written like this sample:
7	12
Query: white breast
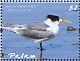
53	29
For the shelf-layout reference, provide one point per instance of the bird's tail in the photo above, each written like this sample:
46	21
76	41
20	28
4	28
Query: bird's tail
8	27
13	28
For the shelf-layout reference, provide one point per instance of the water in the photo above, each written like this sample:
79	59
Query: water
63	46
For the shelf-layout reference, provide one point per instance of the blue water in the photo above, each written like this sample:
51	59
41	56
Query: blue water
63	46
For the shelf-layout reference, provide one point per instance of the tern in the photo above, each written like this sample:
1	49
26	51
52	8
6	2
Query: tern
38	31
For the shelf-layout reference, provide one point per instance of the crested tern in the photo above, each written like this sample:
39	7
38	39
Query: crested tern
38	31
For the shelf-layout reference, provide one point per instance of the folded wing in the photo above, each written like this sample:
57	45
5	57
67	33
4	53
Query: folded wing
36	31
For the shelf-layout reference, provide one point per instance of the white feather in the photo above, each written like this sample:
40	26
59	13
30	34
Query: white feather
53	26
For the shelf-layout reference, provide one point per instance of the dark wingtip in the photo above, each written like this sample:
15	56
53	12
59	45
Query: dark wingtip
1	30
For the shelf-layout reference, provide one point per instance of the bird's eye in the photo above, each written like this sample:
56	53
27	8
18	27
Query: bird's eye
20	27
52	20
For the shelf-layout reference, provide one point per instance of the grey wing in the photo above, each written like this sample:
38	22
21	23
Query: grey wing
36	31
38	26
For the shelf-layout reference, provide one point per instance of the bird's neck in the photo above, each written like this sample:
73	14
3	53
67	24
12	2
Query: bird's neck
50	23
53	26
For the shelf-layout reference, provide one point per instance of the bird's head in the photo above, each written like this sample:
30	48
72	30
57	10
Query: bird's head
59	20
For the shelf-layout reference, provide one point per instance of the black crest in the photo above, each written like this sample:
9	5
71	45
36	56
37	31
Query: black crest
53	17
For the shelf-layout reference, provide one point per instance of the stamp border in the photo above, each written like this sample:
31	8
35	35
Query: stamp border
40	1
36	1
79	30
0	30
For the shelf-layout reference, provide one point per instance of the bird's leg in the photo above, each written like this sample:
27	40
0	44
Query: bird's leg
41	49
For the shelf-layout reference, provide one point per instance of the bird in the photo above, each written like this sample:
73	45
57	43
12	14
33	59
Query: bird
38	31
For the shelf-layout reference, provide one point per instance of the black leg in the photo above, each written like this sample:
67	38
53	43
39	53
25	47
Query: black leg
41	46
41	49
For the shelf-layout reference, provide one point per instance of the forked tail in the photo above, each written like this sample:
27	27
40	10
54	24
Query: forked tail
12	28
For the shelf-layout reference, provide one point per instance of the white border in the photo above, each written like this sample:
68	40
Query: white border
32	1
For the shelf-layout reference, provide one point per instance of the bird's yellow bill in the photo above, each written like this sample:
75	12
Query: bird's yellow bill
65	22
